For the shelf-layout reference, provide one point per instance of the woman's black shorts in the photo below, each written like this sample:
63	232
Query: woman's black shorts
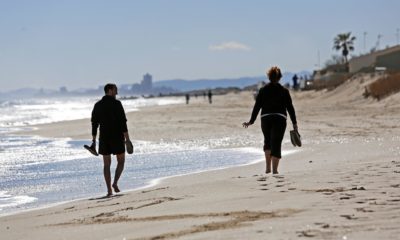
273	128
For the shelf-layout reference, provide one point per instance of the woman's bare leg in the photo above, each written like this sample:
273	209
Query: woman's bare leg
268	161
275	163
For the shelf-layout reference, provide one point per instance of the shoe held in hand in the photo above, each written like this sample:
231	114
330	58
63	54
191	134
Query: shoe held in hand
91	149
295	138
129	147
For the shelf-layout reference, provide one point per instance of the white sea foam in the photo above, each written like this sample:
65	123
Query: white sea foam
7	200
39	111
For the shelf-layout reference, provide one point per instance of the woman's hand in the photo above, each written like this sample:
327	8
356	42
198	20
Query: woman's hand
295	127
246	124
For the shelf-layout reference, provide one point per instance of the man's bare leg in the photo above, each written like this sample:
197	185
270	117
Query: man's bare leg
275	163
268	161
107	173
118	170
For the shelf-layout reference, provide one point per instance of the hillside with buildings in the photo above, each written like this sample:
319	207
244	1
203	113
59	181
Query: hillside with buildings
385	64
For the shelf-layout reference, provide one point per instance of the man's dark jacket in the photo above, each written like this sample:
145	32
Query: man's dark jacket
110	115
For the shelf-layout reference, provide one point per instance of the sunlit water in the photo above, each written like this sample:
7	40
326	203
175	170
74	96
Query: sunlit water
36	171
37	111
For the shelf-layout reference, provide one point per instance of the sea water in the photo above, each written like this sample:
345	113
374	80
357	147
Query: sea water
26	112
37	171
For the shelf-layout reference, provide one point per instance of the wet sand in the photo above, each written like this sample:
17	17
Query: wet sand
343	184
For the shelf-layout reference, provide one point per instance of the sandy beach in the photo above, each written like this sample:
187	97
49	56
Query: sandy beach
342	184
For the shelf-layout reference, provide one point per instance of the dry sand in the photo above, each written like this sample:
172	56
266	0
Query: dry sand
343	184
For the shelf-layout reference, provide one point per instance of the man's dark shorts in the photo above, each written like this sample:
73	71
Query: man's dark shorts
111	146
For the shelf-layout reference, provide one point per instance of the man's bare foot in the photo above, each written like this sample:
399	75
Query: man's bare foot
116	189
275	172
267	171
109	194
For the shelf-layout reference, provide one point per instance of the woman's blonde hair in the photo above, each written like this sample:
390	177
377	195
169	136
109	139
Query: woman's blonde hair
274	74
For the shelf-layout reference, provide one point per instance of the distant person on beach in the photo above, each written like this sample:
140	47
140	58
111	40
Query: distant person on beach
273	100
209	96
187	98
110	115
295	83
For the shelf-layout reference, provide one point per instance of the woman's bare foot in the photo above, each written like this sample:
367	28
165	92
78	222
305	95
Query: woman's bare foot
268	171
109	194
116	189
275	172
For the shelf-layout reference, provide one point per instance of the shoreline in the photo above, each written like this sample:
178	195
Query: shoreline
151	183
147	184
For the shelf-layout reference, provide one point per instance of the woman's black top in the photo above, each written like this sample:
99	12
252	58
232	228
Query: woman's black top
273	98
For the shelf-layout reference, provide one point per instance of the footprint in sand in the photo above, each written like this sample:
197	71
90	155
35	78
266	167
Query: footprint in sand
307	233
394	200
358	188
349	217
278	176
344	198
262	179
363	210
323	225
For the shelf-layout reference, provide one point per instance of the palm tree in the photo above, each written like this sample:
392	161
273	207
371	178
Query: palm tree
344	42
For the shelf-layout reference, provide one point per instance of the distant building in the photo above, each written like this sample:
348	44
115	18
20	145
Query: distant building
388	58
145	86
63	90
329	77
147	82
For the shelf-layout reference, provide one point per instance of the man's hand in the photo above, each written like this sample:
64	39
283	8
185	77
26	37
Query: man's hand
126	136
92	148
93	144
129	146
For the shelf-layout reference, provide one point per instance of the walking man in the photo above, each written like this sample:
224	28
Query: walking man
110	115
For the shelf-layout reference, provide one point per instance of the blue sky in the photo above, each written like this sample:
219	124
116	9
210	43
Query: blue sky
87	43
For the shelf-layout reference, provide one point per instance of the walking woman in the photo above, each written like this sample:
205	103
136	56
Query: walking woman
274	101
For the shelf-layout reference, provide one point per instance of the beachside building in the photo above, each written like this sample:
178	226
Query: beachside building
329	77
388	58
